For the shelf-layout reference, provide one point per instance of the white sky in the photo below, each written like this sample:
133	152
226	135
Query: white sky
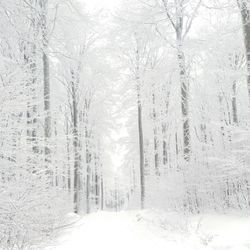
98	4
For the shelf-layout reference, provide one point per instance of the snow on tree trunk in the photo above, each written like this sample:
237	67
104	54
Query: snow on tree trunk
244	6
46	85
141	147
74	87
184	103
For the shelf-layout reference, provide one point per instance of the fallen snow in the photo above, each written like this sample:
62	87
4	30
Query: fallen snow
149	230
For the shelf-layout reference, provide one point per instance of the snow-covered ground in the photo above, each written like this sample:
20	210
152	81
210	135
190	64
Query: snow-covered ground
149	230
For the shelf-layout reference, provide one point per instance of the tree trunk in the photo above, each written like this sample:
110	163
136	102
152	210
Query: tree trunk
88	155
164	130
30	52
68	157
47	112
156	140
181	29
141	146
46	84
88	188
164	146
75	145
245	12
184	103
97	187
234	105
102	193
140	127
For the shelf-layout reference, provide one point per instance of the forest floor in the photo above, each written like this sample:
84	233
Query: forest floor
149	230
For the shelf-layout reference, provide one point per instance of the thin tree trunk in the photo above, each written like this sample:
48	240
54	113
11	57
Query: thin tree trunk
141	147
68	158
75	144
88	156
47	112
97	188
164	130
88	189
102	194
234	105
156	140
140	125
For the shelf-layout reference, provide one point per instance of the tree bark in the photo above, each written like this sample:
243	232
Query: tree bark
141	147
46	83
88	154
181	29
68	157
184	104
245	12
30	54
140	125
156	140
75	144
234	105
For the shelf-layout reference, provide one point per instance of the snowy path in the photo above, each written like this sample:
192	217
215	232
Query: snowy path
111	231
128	231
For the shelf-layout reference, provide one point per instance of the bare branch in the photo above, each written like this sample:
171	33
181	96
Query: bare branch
163	37
168	15
189	25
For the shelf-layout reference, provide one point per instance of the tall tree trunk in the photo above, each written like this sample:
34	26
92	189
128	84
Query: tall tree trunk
156	140
46	83
32	108
75	143
141	147
181	29
88	188
47	121
222	121
97	181
164	129
68	157
30	54
102	193
184	103
88	155
140	125
245	12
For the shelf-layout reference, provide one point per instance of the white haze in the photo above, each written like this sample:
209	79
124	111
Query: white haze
124	124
